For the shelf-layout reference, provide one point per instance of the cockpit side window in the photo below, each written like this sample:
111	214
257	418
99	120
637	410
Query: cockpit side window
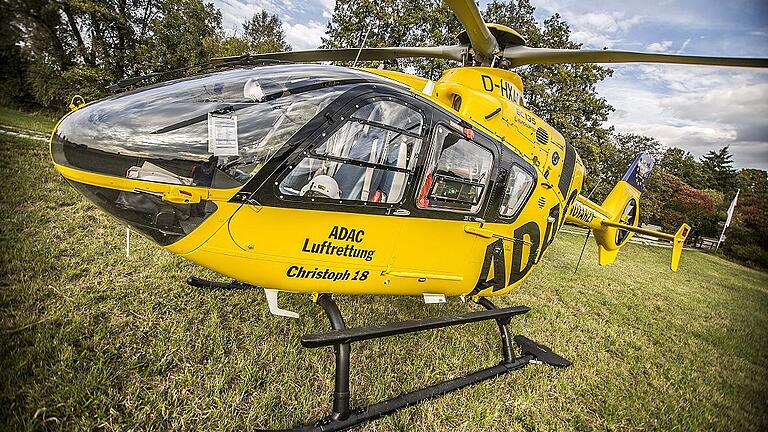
369	158
456	175
518	189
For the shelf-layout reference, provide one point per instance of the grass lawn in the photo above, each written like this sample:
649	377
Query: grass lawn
93	340
37	122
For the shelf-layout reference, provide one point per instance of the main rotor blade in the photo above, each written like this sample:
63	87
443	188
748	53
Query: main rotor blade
483	42
453	52
520	55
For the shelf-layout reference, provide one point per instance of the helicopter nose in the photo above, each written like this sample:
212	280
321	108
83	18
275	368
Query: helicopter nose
154	157
155	183
110	137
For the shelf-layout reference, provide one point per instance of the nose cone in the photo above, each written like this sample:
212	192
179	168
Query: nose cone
143	156
103	151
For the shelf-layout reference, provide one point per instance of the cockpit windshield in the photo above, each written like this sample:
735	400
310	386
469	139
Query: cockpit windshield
215	130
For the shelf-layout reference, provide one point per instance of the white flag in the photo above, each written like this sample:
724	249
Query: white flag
728	219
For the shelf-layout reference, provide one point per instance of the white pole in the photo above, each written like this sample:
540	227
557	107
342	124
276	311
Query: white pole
731	209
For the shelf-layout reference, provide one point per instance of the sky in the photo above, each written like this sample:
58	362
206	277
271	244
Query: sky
696	108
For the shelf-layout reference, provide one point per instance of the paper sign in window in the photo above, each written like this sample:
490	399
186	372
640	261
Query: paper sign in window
222	135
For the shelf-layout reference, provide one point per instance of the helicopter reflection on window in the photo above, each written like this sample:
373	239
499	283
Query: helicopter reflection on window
369	158
457	174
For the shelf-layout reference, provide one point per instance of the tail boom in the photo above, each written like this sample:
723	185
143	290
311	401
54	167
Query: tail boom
590	215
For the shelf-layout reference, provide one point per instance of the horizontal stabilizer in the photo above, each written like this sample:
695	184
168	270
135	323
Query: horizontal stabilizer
677	239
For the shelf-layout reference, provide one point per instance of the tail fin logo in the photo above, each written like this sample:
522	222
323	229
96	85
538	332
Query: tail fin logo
639	171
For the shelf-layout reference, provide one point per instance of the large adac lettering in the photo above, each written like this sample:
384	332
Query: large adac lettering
526	236
494	255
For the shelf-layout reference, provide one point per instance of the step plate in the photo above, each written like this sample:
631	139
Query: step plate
541	353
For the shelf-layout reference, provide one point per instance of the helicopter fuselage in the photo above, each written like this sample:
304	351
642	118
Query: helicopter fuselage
323	179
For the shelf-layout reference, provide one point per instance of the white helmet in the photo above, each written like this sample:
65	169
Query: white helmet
322	186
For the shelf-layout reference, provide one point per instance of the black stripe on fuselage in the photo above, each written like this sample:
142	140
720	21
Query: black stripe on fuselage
567	174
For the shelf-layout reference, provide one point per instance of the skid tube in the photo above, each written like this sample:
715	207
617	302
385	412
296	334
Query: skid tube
343	417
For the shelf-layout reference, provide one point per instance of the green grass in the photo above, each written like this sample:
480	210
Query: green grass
93	340
36	122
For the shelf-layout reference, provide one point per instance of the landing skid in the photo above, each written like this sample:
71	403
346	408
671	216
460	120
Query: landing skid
343	417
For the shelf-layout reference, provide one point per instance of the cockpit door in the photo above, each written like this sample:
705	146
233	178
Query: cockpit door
439	250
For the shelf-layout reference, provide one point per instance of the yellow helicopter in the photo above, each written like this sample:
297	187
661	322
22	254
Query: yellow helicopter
317	179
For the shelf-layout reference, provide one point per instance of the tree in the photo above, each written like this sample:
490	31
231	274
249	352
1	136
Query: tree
226	46
718	166
752	181
394	23
617	155
264	33
747	236
13	64
669	202
177	33
682	164
80	46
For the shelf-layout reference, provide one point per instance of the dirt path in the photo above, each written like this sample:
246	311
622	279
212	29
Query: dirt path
22	133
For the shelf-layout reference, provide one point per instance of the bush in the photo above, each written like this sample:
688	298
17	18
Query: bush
669	202
53	88
747	236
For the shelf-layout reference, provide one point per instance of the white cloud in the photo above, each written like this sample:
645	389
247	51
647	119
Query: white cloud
302	37
662	46
694	108
598	30
235	12
328	6
605	22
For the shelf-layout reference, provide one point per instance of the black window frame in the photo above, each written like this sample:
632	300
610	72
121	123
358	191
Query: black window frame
337	120
490	145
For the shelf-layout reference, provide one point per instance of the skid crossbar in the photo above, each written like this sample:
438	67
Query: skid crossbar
346	336
343	417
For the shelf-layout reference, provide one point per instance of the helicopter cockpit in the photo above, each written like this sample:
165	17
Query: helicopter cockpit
367	159
214	131
306	136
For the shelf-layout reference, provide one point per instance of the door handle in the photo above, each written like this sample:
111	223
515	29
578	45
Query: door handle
482	232
486	233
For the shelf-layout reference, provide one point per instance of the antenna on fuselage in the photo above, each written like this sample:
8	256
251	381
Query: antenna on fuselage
586	239
362	46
